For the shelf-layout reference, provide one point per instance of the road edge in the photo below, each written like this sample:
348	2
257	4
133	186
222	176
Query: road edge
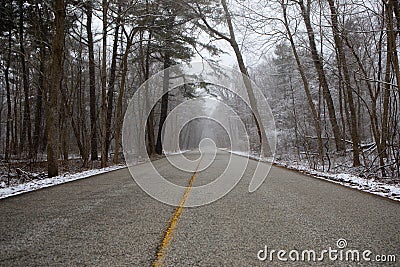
321	178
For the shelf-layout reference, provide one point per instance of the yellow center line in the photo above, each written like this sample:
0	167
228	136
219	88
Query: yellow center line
162	251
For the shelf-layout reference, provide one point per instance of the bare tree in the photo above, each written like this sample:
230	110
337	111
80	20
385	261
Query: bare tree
104	86
56	73
92	82
314	112
118	117
111	83
349	90
26	128
319	67
231	39
8	92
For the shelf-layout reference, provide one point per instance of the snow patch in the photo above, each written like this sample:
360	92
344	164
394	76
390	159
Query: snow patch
176	153
47	182
367	185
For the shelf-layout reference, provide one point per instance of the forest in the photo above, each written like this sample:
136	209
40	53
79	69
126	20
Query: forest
329	69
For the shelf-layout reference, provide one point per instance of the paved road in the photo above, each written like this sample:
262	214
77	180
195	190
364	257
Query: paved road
108	220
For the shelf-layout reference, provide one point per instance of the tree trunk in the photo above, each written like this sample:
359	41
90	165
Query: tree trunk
164	103
37	132
82	115
52	115
315	115
373	97
39	103
103	87
266	149
150	120
8	89
111	85
118	128
396	10
391	6
15	144
75	128
26	127
318	64
92	84
349	90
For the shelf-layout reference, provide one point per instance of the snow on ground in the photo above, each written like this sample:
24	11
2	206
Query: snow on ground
47	182
367	185
36	184
176	153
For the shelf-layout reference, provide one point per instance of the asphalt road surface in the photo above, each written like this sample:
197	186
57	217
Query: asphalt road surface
107	220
